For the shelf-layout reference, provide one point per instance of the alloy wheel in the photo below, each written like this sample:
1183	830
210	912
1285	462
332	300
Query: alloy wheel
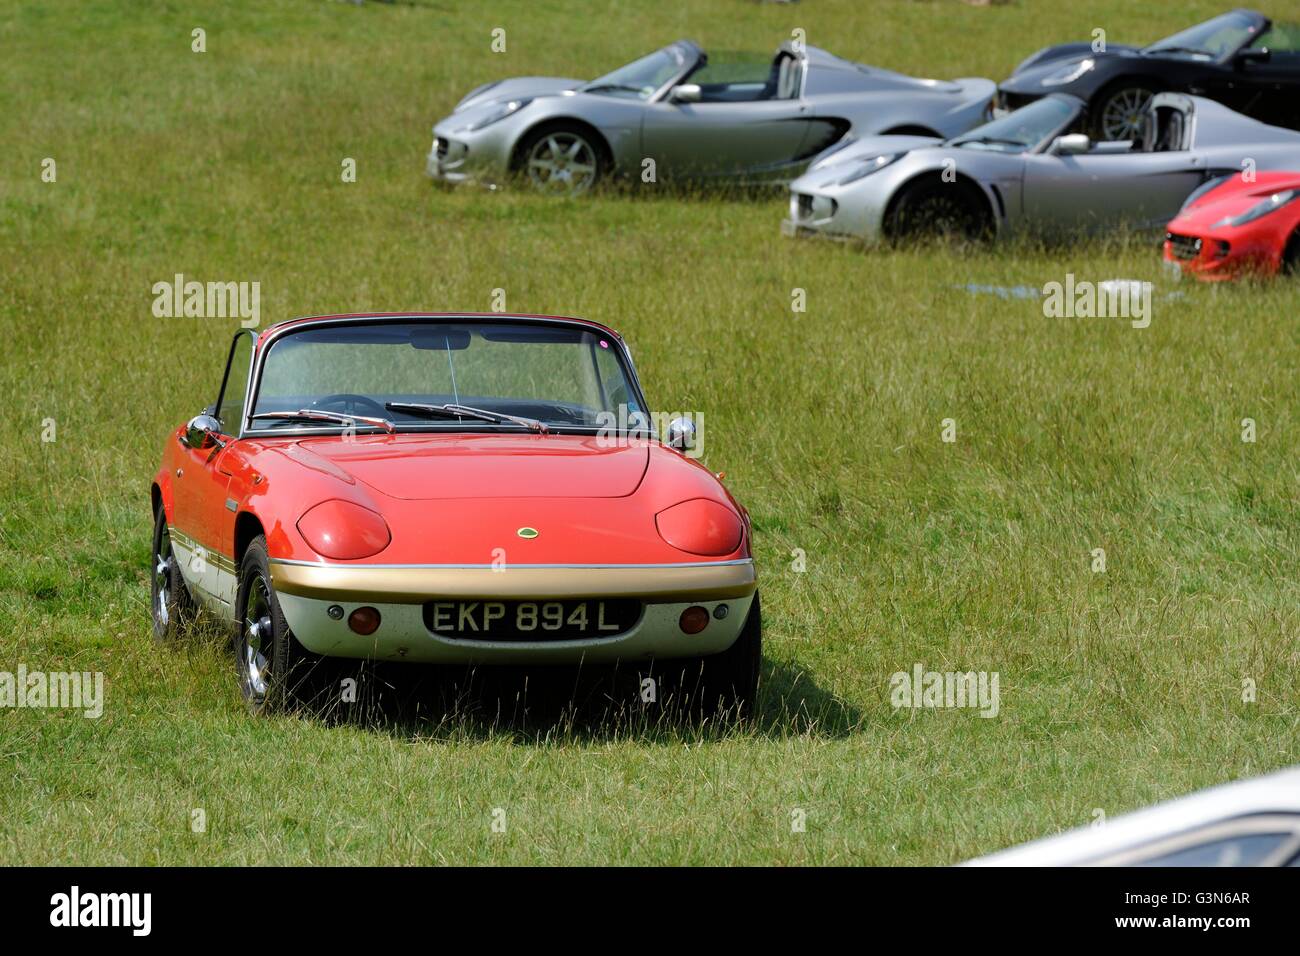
256	642
1124	112
563	163
163	563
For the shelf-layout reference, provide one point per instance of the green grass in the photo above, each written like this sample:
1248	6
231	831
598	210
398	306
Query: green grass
1117	689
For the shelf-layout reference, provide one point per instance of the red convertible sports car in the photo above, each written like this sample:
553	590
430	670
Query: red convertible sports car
1235	226
476	489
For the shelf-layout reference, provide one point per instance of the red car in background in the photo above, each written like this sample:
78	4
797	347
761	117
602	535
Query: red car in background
465	489
1233	227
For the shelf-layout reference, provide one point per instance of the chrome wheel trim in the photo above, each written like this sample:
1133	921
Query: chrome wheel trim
563	163
163	562
255	642
1122	116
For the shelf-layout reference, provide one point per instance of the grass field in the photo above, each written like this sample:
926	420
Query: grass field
1117	688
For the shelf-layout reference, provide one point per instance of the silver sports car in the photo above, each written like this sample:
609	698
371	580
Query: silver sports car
743	118
1033	171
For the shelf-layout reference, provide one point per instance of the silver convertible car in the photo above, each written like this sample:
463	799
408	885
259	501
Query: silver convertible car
1033	171
698	117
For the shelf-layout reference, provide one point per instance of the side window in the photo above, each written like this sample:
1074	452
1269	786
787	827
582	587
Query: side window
1283	38
230	405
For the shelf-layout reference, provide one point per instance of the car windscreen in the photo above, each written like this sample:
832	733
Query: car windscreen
561	375
1023	129
1214	38
640	78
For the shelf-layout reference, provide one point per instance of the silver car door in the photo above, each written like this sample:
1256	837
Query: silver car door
1096	190
746	114
723	139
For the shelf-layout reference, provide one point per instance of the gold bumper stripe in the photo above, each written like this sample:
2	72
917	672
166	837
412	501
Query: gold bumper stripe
414	584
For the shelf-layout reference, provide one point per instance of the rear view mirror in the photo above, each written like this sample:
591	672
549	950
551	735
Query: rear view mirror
1071	145
680	434
444	339
686	93
201	432
1254	55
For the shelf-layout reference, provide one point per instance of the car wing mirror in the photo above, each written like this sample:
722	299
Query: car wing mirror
686	93
1254	55
680	434
202	431
1071	145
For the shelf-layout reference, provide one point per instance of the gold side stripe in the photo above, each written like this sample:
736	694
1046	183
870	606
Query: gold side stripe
218	560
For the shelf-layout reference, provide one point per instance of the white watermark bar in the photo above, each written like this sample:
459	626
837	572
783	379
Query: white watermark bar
53	690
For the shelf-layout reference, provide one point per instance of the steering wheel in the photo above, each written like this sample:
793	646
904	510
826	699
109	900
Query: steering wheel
349	401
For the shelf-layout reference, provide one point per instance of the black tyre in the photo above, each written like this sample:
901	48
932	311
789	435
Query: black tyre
721	685
1291	256
172	608
562	159
273	669
1119	112
934	209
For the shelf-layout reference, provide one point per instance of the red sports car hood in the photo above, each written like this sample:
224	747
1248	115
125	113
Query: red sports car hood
1232	198
426	466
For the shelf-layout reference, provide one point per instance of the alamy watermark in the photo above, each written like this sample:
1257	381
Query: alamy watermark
39	690
950	689
208	300
1111	299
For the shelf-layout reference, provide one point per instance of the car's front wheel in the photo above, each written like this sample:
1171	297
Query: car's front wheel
561	160
171	604
721	685
271	666
932	208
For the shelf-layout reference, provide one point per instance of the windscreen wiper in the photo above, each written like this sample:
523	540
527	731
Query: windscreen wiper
311	415
466	411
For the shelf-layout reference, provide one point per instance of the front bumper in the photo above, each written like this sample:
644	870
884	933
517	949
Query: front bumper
460	155
819	214
306	591
1216	259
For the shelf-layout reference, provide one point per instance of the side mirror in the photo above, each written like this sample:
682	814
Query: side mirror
1071	145
201	432
686	93
1253	55
680	434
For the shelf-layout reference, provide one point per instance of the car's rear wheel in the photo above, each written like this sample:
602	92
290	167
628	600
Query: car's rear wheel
721	685
171	604
934	209
561	160
1291	256
271	666
1121	112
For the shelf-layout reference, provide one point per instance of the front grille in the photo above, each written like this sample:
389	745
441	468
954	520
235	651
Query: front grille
440	147
1184	247
532	621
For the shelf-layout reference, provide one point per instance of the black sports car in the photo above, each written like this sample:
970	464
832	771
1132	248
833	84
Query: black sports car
1242	59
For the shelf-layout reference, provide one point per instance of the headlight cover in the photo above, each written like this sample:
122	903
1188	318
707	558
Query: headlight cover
500	112
873	165
1262	208
1070	73
344	530
701	526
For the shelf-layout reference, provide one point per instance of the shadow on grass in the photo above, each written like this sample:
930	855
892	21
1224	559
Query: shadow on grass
543	705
